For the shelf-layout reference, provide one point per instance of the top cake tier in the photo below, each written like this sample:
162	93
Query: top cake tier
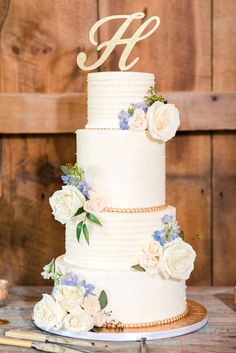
111	92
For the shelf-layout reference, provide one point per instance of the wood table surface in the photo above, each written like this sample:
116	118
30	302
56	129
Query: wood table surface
218	336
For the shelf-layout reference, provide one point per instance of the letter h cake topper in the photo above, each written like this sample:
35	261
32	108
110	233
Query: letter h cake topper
118	39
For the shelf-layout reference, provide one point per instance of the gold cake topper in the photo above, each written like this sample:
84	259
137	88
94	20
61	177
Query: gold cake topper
118	39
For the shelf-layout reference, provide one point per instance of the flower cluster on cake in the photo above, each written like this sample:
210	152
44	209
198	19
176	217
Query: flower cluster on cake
154	114
73	304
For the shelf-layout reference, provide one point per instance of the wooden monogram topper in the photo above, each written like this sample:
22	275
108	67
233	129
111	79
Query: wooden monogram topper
118	39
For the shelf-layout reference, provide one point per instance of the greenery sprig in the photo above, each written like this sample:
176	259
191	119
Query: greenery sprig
153	96
74	175
75	171
82	227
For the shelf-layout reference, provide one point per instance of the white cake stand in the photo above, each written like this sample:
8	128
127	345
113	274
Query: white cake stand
195	319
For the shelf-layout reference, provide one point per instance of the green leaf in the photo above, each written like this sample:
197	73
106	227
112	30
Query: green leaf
86	232
79	229
103	299
93	219
80	210
65	169
181	234
138	268
131	110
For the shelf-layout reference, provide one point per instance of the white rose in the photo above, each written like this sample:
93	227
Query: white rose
91	304
95	204
48	314
151	247
177	260
66	202
149	263
100	318
69	297
78	321
163	120
138	121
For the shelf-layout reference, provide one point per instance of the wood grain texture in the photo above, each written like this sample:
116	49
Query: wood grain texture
189	190
63	113
224	45
224	145
216	337
27	113
39	44
179	52
224	205
29	235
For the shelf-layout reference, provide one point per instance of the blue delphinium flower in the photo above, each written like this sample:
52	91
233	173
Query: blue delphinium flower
84	188
74	181
69	180
124	125
89	288
66	179
69	279
140	105
171	230
159	235
124	116
167	219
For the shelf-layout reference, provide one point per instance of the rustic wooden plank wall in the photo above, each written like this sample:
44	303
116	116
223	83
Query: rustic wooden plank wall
193	50
223	148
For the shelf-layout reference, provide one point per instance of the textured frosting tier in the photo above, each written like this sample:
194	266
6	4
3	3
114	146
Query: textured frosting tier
134	297
126	167
110	92
115	245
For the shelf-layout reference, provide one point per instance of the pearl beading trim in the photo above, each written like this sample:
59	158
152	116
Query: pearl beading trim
120	326
136	210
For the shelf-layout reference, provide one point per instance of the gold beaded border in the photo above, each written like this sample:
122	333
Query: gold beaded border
135	210
120	326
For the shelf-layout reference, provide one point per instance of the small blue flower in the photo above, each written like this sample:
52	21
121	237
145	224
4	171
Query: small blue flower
84	188
170	232
66	179
89	288
159	235
124	125
141	105
167	219
74	182
124	116
69	279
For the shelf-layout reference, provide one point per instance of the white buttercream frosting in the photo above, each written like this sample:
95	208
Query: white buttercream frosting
111	92
115	245
127	168
134	297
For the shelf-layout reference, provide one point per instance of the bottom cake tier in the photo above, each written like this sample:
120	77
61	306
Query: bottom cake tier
134	298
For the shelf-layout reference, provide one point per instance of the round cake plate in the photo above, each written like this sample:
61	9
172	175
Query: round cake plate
195	319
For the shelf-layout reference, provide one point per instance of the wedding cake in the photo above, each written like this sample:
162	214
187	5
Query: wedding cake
126	262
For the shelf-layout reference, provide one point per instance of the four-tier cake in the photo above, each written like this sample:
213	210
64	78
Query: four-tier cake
125	262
